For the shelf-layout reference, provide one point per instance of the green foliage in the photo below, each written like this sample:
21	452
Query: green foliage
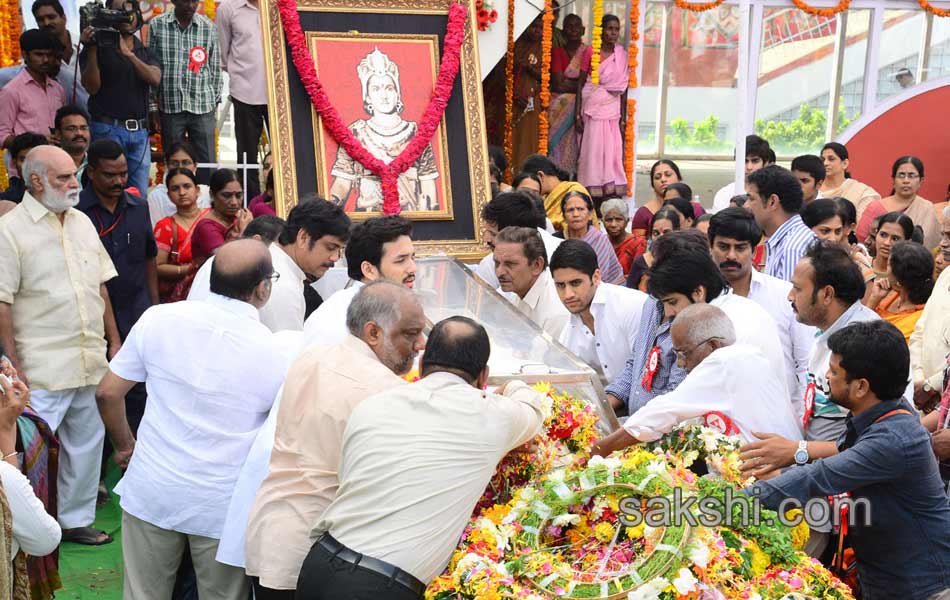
806	134
701	137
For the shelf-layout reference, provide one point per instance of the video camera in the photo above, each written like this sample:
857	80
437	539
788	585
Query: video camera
106	21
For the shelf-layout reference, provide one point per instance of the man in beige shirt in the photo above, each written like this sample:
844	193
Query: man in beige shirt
55	319
323	386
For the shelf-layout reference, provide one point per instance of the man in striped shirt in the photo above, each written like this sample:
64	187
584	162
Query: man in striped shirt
186	44
775	198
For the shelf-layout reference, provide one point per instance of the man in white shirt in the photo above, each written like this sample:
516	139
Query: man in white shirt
733	236
57	325
521	266
604	317
729	385
511	209
212	371
379	248
407	492
930	341
758	154
385	323
691	277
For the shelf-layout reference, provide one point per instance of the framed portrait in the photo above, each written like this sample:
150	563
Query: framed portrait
378	61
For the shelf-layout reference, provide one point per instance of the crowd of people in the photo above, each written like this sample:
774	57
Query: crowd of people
810	316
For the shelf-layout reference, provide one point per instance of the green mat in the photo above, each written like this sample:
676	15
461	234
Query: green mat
95	571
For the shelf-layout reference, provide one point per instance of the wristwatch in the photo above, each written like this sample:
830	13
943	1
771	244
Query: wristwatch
801	455
928	388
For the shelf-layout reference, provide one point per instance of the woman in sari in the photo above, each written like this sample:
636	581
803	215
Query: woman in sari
226	220
627	246
527	99
601	116
908	174
891	228
554	187
577	208
665	220
838	181
176	269
565	69
662	173
900	297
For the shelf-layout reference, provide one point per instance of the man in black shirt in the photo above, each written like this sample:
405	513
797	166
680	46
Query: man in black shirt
118	79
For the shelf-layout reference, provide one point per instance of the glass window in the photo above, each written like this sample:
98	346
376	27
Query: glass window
701	69
938	63
899	51
649	78
852	103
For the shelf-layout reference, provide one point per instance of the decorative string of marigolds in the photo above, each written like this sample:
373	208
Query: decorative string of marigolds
633	53
545	93
508	141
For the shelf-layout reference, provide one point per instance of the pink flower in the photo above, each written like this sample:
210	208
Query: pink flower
795	583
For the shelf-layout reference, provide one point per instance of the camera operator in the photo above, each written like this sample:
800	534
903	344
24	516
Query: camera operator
118	78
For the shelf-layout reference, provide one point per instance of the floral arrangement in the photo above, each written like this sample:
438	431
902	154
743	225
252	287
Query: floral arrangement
508	141
485	14
210	9
633	55
545	92
697	8
10	31
694	441
823	12
562	535
388	173
596	41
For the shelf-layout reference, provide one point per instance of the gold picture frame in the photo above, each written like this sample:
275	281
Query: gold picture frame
467	180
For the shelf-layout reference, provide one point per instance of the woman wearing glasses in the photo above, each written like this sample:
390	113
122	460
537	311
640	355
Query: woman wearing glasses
227	218
908	174
179	155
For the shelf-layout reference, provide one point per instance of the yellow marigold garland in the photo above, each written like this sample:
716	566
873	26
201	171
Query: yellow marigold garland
160	167
509	90
10	31
633	51
545	94
939	12
210	9
822	12
702	7
596	42
4	177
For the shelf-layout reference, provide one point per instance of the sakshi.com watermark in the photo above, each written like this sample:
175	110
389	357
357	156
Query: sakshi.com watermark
738	510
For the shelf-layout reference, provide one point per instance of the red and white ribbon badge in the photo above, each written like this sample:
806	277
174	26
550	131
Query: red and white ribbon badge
653	365
809	403
197	57
720	422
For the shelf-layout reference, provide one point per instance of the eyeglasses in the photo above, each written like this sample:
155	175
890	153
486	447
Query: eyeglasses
273	277
177	164
682	355
229	195
76	128
910	176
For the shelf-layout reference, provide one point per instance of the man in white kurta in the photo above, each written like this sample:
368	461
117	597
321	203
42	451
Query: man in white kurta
729	385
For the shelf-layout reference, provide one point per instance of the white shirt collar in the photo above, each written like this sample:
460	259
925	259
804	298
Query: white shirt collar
537	290
238	307
287	266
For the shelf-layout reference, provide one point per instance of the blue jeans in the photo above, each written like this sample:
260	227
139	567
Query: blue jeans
137	151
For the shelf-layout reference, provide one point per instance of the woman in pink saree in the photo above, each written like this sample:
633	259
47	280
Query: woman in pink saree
601	116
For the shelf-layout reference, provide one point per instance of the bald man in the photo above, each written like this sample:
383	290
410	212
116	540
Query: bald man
730	386
204	414
57	326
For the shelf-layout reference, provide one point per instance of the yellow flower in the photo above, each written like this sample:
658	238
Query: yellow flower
635	533
800	533
497	513
604	532
760	560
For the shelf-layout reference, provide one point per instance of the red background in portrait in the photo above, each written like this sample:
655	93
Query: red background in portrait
417	73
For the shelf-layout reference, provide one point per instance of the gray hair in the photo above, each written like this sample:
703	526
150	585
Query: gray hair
615	204
34	165
378	302
705	321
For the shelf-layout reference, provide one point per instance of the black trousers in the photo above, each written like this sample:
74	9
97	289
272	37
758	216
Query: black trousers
263	593
323	576
249	120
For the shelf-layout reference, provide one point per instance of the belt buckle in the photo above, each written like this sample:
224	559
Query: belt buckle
132	124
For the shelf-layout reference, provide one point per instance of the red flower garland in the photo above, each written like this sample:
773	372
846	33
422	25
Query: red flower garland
388	174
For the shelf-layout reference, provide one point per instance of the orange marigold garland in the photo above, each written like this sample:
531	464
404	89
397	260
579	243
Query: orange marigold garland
10	31
822	12
633	52
210	9
509	90
160	167
596	42
939	12
700	7
545	92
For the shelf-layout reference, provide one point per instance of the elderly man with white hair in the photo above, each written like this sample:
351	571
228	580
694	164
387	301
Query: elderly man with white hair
731	386
55	320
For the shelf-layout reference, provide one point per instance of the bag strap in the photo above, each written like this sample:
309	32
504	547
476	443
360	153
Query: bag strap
896	411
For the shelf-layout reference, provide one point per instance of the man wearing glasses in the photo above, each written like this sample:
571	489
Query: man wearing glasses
71	128
730	386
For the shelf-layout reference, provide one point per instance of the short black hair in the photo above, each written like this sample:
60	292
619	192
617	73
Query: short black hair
607	19
368	238
318	218
913	267
26	141
458	344
834	267
540	162
759	147
68	110
773	179
811	164
522	176
686	240
682	205
41	3
847	211
513	209
739	200
181	146
736	223
268	227
103	149
682	190
240	285
875	351
682	272
817	212
496	156
574	254
181	171
532	246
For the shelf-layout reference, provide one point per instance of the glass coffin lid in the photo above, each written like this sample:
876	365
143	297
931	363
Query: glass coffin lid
519	348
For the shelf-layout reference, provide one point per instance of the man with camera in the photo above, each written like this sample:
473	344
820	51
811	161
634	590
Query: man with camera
117	70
